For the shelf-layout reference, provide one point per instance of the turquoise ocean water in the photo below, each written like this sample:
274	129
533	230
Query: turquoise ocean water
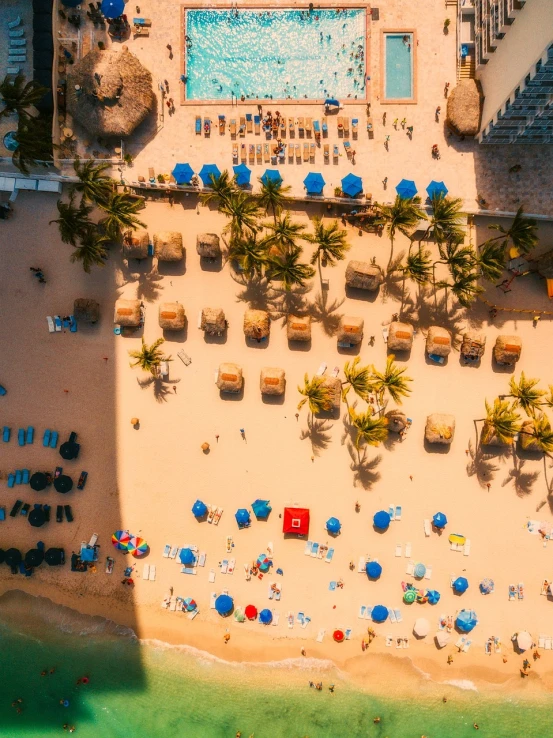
155	691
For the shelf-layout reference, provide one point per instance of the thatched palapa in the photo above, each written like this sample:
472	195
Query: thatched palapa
230	378
473	346
463	108
171	316
208	245
298	328
127	313
363	276
213	321
86	311
397	421
350	330
272	381
135	244
507	350
334	386
109	92
168	246
440	428
256	324
438	341
400	336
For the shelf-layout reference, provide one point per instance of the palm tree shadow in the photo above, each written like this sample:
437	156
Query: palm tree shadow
317	432
522	481
282	303
255	291
391	286
364	469
148	287
440	314
161	388
481	465
325	314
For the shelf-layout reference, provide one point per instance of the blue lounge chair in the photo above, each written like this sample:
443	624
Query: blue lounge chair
82	480
15	509
66	322
46	438
325	127
317	129
198	125
26	476
30	434
54	439
2	390
6	434
72	324
11	480
2	513
14	23
436	359
21	436
18	476
150	249
57	323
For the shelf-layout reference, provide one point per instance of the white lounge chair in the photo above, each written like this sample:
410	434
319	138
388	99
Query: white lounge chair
399	549
466	548
362	610
192	615
361	564
321	635
428	573
276	617
166	550
407	550
51	326
146	571
398	512
392	616
541	641
211	577
427	528
201	558
389	640
212	599
231	565
224	566
321	370
399	616
410	568
308	547
152	576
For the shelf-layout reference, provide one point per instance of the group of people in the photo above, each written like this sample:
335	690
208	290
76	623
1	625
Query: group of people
39	274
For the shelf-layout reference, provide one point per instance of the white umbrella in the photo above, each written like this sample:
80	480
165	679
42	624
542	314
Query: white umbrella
524	640
421	627
442	638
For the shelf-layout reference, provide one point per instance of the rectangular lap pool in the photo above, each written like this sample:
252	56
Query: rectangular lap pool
398	53
275	54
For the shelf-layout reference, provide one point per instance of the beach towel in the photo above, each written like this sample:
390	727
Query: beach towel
332	586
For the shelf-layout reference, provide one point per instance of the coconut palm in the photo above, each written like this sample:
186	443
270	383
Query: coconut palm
522	233
220	189
464	287
358	378
541	434
273	195
243	212
445	219
283	234
491	259
392	381
73	222
34	143
526	394
149	357
249	254
93	185
120	211
548	402
502	422
331	243
371	430
17	96
458	257
403	216
418	268
287	268
91	250
315	394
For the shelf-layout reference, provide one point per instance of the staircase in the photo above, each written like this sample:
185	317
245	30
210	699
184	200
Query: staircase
466	68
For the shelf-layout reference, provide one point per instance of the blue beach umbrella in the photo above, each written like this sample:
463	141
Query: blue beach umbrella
379	613
223	604
182	173
199	509
242	174
487	586
314	183
439	520
332	101
242	517
466	620
433	597
208	171
186	556
261	509
112	8
460	585
271	175
373	569
436	189
265	616
419	571
333	525
406	189
352	185
381	520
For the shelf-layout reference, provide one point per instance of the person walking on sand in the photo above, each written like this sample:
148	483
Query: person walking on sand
243	434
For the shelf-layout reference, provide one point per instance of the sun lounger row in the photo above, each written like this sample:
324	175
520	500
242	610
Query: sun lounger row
316	551
21	476
149	572
399	550
56	324
26	436
214	514
264	153
516	592
545	642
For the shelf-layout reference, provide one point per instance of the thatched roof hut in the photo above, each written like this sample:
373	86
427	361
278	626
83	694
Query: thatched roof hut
298	328
85	310
363	276
473	345
463	108
208	245
230	378
256	324
544	265
438	341
168	246
171	316
272	381
400	336
507	350
109	92
334	385
350	330
440	428
127	313
135	244
526	438
397	421
213	321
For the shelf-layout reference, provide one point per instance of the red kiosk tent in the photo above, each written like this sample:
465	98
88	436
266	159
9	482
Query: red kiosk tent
296	520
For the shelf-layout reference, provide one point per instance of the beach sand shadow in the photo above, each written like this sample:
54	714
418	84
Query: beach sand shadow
326	313
317	432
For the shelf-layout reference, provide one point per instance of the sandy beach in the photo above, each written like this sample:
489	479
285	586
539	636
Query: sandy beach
146	479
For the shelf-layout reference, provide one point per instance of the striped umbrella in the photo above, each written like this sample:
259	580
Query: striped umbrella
120	540
189	604
137	546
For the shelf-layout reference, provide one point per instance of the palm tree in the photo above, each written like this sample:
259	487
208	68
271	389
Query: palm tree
541	434
273	195
491	259
418	268
93	184
315	394
523	233
34	143
445	220
358	378
18	96
284	234
120	212
149	357
502	422
464	287
403	216
243	212
331	242
458	258
249	254
392	381
549	398
221	189
73	221
370	429
526	394
287	269
91	251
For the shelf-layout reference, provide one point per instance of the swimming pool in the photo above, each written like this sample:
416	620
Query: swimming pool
399	53
276	54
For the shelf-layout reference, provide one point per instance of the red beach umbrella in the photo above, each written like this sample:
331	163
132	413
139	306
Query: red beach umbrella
338	635
251	612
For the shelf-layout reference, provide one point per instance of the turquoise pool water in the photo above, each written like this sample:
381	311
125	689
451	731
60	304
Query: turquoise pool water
399	66
278	54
